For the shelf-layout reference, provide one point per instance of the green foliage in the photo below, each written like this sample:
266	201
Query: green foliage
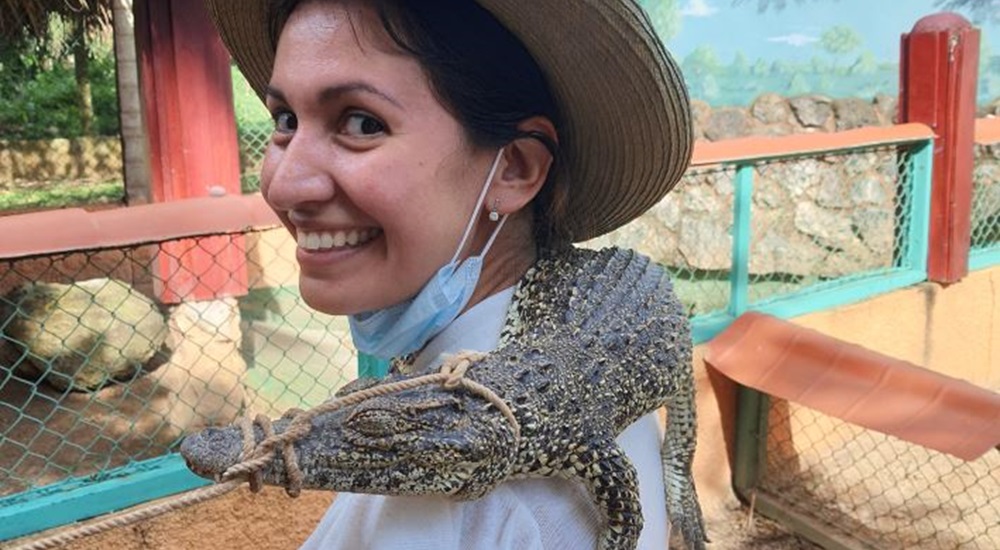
665	16
866	64
60	196
980	10
740	64
701	61
250	111
840	39
798	85
40	94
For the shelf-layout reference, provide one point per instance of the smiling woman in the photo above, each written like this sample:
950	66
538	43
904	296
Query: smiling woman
426	155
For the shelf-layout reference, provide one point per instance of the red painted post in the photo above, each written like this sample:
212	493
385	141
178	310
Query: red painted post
938	71
188	108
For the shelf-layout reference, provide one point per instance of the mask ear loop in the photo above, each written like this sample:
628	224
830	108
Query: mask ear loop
475	212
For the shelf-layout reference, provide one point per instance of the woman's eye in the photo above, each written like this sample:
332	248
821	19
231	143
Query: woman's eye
285	122
363	125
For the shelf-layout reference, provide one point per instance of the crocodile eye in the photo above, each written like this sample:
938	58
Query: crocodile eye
379	423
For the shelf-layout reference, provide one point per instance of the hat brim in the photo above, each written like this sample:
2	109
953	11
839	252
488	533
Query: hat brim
626	133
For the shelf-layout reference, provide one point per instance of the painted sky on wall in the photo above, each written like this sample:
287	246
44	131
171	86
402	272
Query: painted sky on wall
782	50
794	32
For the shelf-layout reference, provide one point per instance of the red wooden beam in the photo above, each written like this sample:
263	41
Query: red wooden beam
188	108
938	71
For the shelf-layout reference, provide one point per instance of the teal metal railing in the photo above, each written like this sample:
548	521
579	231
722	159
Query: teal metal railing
984	249
894	166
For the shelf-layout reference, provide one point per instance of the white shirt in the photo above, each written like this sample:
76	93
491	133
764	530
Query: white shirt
524	514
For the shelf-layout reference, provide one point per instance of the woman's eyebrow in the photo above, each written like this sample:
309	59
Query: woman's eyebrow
331	92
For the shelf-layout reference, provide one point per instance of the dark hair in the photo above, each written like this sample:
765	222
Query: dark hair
483	75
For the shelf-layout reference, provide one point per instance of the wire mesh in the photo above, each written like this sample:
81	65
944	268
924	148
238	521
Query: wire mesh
985	218
826	219
690	233
253	131
876	489
253	139
98	371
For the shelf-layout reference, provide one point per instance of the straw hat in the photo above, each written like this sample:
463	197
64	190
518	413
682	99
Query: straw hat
626	135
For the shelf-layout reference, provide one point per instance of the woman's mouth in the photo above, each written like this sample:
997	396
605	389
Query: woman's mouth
314	241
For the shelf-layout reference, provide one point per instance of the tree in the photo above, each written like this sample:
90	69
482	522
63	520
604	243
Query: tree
701	61
865	64
740	65
133	131
760	68
798	85
665	17
840	40
980	10
818	65
39	26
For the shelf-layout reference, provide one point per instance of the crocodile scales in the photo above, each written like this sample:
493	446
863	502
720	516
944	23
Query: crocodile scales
593	341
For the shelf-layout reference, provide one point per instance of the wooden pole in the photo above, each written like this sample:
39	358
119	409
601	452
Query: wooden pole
938	72
188	107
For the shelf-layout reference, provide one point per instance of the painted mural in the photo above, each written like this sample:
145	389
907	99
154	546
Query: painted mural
734	50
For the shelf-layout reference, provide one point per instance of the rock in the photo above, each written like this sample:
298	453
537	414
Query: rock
853	112
701	198
727	123
83	335
991	109
771	108
885	108
875	228
867	191
700	112
50	433
705	243
833	191
812	111
829	228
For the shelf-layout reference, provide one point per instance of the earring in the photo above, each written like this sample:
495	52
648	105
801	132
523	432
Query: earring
494	215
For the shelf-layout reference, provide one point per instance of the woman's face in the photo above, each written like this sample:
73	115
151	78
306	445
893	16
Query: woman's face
369	172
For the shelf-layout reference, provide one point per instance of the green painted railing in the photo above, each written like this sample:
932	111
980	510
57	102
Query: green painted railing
81	498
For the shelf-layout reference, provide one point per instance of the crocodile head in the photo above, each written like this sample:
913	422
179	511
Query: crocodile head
427	440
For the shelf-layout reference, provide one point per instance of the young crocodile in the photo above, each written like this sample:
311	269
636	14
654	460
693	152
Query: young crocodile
592	342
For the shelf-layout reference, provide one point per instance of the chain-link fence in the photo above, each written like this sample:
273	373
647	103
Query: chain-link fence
253	131
863	489
96	371
828	219
109	356
985	222
805	224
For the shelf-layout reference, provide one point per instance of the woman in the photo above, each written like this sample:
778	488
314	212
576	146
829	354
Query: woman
425	154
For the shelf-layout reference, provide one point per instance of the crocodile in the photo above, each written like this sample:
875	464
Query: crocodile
593	341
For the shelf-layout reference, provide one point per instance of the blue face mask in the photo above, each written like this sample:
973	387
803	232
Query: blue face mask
405	327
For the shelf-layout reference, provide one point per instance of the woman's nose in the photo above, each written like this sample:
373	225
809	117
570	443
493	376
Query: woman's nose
295	176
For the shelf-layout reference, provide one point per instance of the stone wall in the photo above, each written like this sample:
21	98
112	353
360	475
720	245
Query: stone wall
824	216
60	159
774	115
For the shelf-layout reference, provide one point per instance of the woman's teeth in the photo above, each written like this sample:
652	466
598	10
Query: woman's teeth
321	240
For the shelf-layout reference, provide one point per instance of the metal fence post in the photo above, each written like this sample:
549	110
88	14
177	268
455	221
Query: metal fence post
938	69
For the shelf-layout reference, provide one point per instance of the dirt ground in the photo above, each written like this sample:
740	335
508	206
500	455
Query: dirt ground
737	528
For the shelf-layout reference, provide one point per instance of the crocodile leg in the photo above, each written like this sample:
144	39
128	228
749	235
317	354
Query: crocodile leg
612	480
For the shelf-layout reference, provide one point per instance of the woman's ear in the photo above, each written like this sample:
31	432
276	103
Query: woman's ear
524	168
